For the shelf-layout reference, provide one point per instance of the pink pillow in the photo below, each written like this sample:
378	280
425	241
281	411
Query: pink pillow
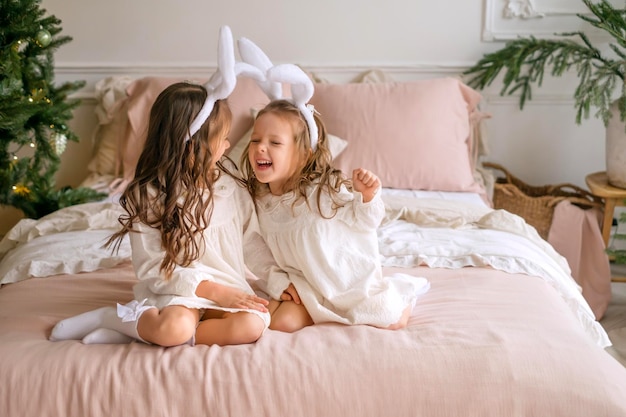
413	135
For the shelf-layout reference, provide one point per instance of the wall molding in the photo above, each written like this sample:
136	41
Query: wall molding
510	19
335	73
92	73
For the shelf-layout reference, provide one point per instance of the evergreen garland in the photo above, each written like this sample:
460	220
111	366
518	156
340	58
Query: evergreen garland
33	111
525	60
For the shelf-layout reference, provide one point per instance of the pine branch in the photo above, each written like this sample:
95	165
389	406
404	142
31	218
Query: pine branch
525	61
607	18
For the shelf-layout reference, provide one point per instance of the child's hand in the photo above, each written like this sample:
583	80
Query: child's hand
230	297
365	182
290	294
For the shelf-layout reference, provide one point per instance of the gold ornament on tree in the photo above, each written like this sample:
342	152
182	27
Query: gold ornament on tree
37	94
21	190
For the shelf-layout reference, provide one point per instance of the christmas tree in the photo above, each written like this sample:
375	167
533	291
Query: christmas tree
34	112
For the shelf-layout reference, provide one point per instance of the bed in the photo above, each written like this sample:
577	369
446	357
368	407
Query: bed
504	330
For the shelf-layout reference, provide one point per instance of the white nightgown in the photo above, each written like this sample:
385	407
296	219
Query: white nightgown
334	263
233	230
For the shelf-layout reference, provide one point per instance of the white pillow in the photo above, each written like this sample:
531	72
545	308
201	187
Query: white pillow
336	145
467	197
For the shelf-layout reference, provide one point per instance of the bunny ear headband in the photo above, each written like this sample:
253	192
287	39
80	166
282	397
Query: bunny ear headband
222	82
258	66
270	78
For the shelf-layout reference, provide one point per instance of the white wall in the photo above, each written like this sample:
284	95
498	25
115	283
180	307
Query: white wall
321	32
337	39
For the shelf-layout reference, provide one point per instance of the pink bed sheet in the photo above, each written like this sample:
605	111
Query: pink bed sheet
480	343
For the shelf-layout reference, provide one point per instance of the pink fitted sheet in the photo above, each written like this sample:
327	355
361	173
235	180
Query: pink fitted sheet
479	343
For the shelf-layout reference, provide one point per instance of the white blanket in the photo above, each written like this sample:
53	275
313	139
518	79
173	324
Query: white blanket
446	234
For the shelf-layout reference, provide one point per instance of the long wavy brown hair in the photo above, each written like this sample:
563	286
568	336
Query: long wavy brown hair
172	190
315	166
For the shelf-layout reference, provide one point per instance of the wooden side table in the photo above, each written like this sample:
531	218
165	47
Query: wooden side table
599	186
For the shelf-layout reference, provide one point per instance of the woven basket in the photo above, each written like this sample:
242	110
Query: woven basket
536	204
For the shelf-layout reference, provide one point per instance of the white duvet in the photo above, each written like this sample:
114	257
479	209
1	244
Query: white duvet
416	231
456	234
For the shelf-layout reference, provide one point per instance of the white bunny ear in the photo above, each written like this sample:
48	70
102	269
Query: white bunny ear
250	71
271	79
253	55
225	64
301	85
222	83
302	90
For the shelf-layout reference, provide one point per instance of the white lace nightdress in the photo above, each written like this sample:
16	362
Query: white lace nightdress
233	230
334	263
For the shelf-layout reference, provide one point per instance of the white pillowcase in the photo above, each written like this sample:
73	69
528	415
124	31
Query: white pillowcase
467	197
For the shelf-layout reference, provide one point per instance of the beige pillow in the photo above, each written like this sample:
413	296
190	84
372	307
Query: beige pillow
413	135
110	94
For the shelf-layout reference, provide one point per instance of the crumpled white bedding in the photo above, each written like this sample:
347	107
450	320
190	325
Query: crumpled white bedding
68	241
444	234
416	231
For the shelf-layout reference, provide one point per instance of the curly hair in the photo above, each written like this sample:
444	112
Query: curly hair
314	167
172	190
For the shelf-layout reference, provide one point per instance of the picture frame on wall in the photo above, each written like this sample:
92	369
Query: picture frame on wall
509	19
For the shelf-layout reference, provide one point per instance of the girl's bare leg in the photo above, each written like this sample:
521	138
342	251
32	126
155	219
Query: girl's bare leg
273	305
229	328
288	316
172	326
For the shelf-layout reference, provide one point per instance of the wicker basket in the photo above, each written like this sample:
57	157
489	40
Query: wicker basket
536	204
